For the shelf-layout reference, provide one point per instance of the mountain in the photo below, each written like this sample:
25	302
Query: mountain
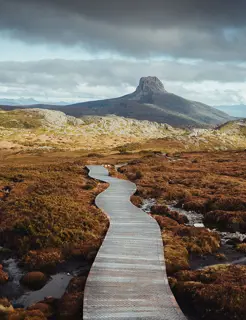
24	102
152	102
238	110
18	102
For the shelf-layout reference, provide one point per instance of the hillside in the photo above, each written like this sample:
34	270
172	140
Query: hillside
41	130
152	102
23	129
236	127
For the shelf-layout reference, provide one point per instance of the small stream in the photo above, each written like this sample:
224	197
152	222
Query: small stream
22	297
196	219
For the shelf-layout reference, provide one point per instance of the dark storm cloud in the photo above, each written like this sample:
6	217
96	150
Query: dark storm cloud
212	29
142	12
67	74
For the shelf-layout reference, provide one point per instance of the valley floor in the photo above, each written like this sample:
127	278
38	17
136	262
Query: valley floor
49	224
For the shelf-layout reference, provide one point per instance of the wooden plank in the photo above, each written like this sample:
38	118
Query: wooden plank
128	278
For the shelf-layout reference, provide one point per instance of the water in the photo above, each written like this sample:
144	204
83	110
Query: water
196	220
225	236
12	289
147	204
56	286
232	255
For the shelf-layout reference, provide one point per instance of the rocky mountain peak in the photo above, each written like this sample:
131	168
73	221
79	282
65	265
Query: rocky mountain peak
150	85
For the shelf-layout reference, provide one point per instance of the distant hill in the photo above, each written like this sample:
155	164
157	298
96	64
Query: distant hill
238	110
25	102
150	101
236	127
32	129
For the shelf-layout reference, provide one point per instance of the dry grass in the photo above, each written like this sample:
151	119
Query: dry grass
213	184
202	182
49	212
180	241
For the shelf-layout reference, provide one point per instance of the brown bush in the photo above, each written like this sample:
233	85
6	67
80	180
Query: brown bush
47	210
136	200
34	280
3	276
176	255
46	259
27	315
241	247
165	211
214	293
227	220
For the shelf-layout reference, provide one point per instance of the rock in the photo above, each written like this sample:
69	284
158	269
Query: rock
53	118
34	280
3	275
5	306
199	225
149	85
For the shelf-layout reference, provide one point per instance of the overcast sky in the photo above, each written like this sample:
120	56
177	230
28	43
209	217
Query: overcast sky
78	50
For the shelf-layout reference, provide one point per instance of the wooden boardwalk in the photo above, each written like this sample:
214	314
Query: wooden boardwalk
128	278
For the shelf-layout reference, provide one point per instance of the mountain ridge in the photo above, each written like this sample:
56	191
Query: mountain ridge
150	101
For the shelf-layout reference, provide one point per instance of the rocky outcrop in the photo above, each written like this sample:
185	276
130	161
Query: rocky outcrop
52	118
150	101
148	85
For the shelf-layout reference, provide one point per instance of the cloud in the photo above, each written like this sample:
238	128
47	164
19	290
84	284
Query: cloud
206	29
208	82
